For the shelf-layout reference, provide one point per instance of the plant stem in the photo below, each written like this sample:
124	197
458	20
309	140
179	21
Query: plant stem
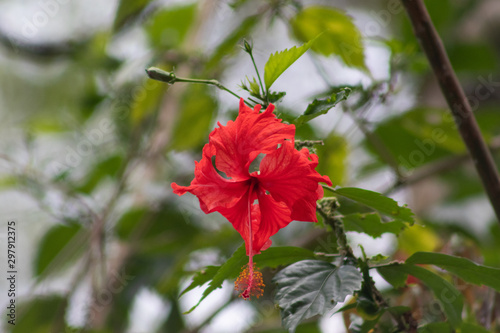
457	101
258	76
170	78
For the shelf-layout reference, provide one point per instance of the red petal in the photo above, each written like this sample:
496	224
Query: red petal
213	191
239	142
238	216
290	177
274	216
268	216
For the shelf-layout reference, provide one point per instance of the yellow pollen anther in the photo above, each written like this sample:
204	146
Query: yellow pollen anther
248	285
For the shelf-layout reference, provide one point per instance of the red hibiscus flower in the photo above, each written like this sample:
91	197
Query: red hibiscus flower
259	203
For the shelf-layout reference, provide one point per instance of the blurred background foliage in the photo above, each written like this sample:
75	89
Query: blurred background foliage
90	146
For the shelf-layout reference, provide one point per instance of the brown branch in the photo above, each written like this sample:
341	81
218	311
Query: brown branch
464	118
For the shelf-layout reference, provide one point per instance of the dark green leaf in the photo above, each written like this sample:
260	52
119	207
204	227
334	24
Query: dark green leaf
321	106
168	27
280	61
39	315
394	274
472	57
377	201
61	245
339	35
450	298
312	287
371	224
462	267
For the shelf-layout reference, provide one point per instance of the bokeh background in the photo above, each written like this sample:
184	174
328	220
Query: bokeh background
89	146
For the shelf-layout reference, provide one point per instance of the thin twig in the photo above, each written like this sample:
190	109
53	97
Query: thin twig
170	78
464	118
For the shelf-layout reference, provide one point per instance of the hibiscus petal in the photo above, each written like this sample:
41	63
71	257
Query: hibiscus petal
268	217
238	216
274	216
238	143
290	177
213	191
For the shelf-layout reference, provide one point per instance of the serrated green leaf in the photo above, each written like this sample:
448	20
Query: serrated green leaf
200	278
272	257
448	296
371	224
280	61
313	287
462	267
377	201
61	245
322	106
339	34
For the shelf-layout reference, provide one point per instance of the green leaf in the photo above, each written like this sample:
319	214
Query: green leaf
227	46
128	10
312	287
473	328
322	106
39	315
282	256
61	245
280	61
462	267
424	135
272	257
339	35
198	109
147	102
394	274
200	278
449	297
371	224
333	156
108	167
168	27
377	201
435	328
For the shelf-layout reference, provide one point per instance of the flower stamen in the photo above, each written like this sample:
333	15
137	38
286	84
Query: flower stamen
249	282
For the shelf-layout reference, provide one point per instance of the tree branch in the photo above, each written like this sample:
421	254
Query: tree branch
457	101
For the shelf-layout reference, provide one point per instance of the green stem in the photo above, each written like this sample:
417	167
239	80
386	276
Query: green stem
258	76
170	78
